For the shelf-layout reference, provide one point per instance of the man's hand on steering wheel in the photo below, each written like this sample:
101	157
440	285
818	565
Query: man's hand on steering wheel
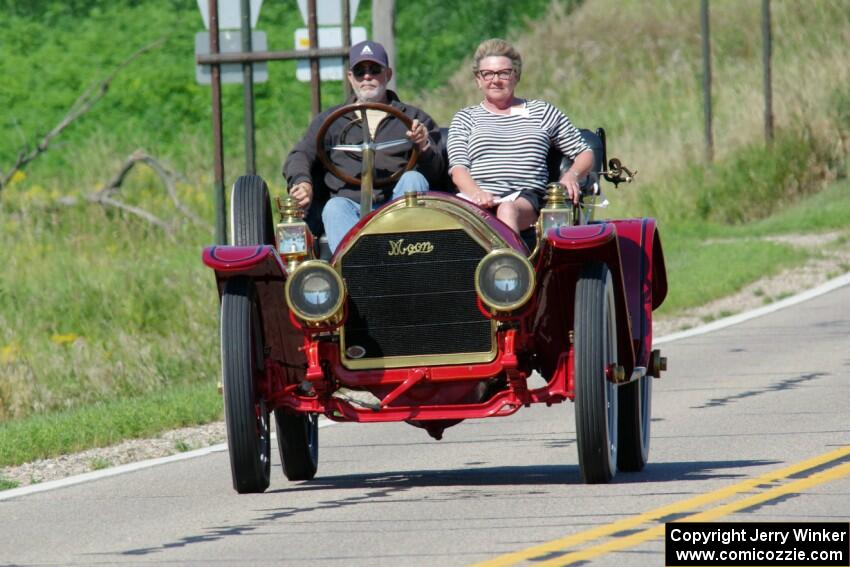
418	134
302	192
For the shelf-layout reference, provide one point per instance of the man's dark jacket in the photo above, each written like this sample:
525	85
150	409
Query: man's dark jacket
302	164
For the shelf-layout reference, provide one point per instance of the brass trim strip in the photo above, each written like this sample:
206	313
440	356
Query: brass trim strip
419	360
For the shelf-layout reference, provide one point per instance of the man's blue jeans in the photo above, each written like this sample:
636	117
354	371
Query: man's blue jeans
342	213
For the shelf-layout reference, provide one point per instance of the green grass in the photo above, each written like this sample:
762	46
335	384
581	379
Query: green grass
706	261
48	435
93	306
827	210
99	463
701	270
8	484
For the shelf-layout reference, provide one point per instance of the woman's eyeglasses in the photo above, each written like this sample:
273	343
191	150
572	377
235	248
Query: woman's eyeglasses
503	74
361	70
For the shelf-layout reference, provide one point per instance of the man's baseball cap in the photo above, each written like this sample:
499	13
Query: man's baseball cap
367	51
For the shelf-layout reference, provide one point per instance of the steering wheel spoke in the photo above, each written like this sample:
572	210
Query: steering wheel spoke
393	144
353	148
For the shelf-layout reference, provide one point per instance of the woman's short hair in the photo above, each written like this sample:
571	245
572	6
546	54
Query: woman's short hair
496	47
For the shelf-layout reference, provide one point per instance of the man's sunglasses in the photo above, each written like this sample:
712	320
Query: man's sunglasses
361	70
503	74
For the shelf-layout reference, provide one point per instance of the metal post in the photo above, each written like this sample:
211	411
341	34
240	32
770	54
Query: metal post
248	89
346	44
218	149
383	30
315	80
766	56
706	80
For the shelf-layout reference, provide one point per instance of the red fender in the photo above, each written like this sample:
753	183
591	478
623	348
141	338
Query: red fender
263	265
255	261
632	251
645	277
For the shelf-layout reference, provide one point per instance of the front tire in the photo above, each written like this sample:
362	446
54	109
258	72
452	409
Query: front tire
635	407
251	213
595	395
246	415
298	443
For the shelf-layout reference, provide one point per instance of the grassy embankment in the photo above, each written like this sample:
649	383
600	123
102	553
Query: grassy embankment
107	328
108	331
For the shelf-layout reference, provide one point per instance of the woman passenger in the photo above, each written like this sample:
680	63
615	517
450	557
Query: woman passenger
497	148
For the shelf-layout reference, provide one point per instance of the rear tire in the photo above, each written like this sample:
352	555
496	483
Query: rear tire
298	443
246	415
251	213
595	395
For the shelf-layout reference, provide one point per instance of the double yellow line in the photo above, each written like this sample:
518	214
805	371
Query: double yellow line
834	469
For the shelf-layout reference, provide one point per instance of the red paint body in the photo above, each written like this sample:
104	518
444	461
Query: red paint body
538	338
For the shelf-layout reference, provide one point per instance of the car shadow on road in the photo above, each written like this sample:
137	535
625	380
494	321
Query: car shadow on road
381	487
691	470
782	385
531	475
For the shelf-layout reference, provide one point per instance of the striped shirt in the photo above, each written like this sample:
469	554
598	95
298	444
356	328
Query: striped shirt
505	153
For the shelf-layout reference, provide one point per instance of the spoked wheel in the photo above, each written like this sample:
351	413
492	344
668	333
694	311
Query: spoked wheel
298	442
635	415
246	415
251	213
595	395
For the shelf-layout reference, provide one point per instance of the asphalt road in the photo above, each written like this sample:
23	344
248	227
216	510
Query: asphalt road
750	423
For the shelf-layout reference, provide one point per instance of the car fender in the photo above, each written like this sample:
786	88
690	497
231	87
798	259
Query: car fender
632	249
562	256
264	266
645	278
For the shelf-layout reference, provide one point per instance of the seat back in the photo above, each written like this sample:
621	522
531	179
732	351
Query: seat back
558	163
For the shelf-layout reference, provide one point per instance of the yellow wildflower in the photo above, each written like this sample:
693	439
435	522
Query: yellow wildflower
17	177
64	339
10	352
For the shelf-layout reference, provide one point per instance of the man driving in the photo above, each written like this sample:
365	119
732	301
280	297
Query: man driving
368	75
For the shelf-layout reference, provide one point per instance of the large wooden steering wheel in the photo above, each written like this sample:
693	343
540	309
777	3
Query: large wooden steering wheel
367	144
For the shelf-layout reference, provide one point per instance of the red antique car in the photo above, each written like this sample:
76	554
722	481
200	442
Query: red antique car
432	311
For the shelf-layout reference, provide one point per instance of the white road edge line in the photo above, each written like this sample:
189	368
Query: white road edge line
826	287
831	285
122	469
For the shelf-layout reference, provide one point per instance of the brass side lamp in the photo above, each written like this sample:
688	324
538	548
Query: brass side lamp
294	239
557	211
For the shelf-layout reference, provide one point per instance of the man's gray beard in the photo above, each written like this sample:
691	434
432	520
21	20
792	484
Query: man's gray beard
377	95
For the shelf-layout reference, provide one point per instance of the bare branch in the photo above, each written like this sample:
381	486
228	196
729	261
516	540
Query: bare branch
106	195
105	199
83	104
168	179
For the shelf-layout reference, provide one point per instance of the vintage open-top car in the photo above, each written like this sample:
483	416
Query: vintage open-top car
432	311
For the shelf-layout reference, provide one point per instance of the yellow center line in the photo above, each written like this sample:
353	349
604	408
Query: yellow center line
687	505
712	514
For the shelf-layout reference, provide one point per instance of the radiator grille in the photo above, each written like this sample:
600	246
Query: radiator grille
414	303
